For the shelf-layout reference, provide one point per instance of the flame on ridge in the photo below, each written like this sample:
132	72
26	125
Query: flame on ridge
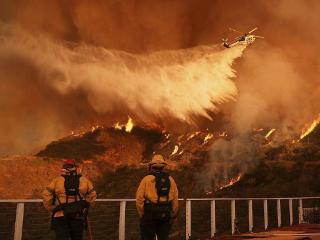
192	135
231	182
127	127
224	134
270	133
308	129
175	150
207	138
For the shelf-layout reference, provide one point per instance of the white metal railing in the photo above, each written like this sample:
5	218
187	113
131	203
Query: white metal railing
122	216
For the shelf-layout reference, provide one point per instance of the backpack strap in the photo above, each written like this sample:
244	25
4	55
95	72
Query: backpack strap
168	176
78	192
56	209
155	175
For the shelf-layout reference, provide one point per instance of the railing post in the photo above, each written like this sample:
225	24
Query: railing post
122	221
266	214
188	219
290	212
279	212
300	211
250	213
233	216
19	221
213	218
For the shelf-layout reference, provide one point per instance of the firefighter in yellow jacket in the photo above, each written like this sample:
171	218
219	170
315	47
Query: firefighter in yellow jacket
157	201
68	198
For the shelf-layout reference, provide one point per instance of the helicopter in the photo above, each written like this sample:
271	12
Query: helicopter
244	39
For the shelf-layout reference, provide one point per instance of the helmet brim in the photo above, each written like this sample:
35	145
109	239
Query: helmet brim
158	164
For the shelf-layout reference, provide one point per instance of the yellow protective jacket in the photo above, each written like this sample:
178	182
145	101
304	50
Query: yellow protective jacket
55	193
147	191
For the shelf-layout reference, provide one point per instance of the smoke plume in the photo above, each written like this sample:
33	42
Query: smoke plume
175	83
72	62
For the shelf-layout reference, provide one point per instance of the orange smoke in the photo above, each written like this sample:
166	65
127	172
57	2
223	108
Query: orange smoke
175	83
75	77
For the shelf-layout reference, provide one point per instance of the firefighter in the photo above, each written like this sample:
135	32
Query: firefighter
68	197
157	201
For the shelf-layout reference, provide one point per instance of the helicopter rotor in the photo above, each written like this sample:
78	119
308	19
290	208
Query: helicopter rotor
256	36
234	30
253	30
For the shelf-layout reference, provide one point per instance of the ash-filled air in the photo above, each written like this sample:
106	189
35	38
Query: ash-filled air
176	83
49	70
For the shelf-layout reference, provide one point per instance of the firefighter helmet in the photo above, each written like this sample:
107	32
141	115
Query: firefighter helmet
158	161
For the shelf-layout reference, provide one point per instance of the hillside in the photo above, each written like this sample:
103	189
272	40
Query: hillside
116	160
105	155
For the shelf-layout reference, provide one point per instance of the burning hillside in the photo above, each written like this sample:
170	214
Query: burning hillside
211	162
311	132
114	146
82	64
233	118
122	142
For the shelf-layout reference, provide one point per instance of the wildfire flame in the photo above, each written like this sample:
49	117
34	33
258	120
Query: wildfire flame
180	152
93	128
175	150
270	133
231	182
127	127
308	129
224	134
207	138
193	135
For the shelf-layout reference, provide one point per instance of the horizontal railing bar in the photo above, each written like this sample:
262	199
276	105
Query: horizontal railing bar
228	199
20	200
181	199
115	200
